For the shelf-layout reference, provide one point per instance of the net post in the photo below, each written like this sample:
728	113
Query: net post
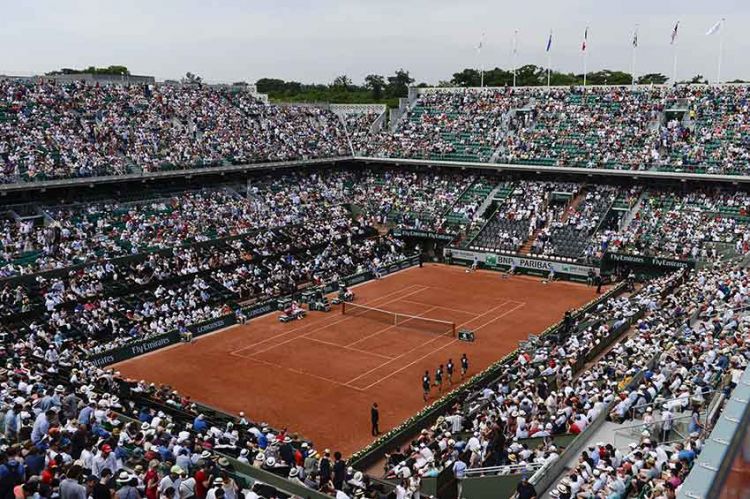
453	329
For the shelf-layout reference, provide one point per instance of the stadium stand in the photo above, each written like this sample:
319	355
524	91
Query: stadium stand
70	129
56	130
651	367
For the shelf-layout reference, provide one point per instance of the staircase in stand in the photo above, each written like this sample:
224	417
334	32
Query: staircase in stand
570	208
527	245
573	205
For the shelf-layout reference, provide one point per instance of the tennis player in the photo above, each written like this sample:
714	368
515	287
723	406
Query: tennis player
550	277
439	378
426	385
449	370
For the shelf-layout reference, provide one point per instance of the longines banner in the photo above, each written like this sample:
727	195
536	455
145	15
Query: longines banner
212	325
663	263
522	263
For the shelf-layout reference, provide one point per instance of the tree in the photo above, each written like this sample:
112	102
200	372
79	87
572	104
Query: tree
467	78
531	75
398	84
498	78
192	78
375	84
608	77
342	82
699	78
109	70
652	78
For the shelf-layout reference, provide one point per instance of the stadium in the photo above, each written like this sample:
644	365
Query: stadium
473	291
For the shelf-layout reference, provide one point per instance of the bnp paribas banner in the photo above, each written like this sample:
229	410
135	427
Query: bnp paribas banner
522	263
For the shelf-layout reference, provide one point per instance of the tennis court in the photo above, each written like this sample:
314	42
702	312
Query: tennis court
319	376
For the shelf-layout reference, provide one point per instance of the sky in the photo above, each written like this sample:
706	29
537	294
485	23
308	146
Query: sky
314	41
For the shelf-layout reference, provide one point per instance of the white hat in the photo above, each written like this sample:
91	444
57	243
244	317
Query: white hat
124	477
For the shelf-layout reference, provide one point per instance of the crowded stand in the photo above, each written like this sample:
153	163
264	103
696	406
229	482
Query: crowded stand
716	141
85	278
694	346
688	343
570	230
359	128
70	429
598	128
684	225
519	215
697	128
53	130
450	125
412	200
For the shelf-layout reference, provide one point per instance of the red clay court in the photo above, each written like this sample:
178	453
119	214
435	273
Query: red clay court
319	376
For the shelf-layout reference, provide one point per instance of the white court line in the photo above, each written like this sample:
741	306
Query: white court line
441	307
317	329
440	348
295	371
389	327
322	324
346	347
427	343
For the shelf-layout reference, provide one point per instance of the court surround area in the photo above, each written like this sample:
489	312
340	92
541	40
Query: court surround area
319	376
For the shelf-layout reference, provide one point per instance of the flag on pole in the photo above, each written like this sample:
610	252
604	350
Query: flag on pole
585	38
715	28
481	42
674	32
549	41
635	37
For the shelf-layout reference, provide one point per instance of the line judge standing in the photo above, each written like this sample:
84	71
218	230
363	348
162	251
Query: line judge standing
375	419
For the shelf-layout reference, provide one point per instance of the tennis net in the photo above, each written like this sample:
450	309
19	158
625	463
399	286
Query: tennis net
401	320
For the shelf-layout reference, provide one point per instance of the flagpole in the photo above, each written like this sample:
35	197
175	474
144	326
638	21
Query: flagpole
584	68
549	57
674	64
549	66
585	49
481	61
632	63
721	50
514	55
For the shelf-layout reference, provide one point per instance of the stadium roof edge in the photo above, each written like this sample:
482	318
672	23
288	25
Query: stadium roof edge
566	87
498	167
587	172
144	177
